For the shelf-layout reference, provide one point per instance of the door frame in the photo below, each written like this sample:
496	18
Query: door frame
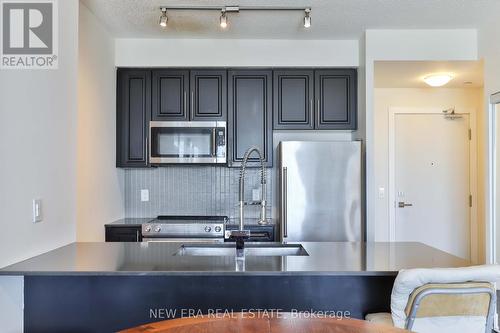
393	111
491	242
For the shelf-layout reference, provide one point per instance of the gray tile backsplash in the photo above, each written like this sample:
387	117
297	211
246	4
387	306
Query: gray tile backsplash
196	190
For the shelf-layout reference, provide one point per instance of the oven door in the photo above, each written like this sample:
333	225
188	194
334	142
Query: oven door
184	240
187	142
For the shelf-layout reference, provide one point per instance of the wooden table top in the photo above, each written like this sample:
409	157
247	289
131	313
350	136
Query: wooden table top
255	323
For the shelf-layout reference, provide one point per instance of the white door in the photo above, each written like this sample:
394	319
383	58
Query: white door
431	181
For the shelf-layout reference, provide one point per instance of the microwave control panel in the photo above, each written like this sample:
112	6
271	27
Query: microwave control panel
220	139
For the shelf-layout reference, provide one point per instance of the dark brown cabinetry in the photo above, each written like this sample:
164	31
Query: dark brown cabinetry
320	99
134	112
336	98
123	234
208	96
170	95
250	115
253	101
293	99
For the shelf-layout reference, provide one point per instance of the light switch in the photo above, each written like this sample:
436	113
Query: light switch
37	210
381	192
144	195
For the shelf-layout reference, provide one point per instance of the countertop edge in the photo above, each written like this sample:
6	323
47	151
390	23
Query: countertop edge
199	273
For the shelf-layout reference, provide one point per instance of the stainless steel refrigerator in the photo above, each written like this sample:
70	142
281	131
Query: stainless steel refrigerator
320	191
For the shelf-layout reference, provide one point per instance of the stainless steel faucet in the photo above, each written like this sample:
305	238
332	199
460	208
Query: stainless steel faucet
241	234
262	219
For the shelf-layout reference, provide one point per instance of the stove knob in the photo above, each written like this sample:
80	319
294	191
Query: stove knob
218	229
148	228
208	229
157	229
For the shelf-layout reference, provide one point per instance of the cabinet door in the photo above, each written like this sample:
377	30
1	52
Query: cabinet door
170	94
208	95
250	118
293	99
336	99
133	114
123	234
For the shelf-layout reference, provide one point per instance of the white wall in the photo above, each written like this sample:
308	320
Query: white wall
99	182
489	50
430	45
38	112
384	98
235	52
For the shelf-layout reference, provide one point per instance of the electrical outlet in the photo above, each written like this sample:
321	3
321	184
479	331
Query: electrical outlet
144	195
37	210
381	192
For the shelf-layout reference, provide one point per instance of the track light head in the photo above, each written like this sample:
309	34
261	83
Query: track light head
307	18
163	18
223	19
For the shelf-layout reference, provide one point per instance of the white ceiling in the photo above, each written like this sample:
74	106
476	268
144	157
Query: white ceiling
410	74
331	19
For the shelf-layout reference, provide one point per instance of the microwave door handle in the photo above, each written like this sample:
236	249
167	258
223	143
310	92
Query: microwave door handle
214	142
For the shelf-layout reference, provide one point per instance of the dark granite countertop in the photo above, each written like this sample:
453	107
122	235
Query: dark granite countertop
157	258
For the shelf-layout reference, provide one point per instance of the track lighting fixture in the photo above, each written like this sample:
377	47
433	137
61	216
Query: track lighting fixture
163	17
223	19
307	18
225	10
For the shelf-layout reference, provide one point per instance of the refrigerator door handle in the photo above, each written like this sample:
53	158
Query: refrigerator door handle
284	191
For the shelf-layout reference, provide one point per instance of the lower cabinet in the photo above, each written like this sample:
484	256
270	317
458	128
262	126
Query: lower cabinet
123	234
258	233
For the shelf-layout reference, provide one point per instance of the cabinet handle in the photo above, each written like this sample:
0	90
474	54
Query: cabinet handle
284	181
192	102
137	235
319	106
185	103
311	102
147	149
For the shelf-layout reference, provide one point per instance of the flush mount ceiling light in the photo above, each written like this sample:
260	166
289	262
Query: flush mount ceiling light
163	18
438	80
223	21
307	18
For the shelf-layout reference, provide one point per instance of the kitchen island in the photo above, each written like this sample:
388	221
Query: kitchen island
94	287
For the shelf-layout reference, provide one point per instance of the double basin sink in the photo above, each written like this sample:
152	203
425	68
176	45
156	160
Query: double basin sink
251	249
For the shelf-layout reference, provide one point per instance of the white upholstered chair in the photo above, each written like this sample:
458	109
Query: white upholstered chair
443	300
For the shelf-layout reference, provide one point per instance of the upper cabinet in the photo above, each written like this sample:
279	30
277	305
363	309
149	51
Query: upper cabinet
170	95
293	99
250	115
253	101
321	99
336	98
208	97
133	115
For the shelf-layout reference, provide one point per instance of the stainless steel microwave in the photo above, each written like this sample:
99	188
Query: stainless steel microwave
184	142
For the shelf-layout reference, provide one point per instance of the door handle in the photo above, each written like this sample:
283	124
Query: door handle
284	201
403	204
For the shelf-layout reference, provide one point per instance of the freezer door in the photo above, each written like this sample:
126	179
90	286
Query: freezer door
320	191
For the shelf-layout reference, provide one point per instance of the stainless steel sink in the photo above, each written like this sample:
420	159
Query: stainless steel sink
229	250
